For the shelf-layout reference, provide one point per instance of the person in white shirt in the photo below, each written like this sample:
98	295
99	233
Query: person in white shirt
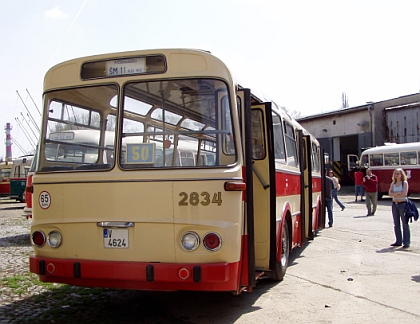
398	192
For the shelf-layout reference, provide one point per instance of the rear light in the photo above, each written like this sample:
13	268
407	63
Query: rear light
38	238
212	241
54	239
190	241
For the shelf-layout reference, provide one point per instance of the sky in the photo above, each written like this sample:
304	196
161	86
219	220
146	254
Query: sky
301	54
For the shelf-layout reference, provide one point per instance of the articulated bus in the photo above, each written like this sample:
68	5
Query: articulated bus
383	160
156	171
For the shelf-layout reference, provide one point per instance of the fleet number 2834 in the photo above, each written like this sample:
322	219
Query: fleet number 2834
204	198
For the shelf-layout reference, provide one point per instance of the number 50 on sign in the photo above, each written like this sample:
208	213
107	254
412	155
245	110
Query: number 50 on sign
141	153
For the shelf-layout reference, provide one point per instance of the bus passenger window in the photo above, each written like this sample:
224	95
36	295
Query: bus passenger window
279	153
257	134
229	143
292	158
392	159
376	159
409	158
315	158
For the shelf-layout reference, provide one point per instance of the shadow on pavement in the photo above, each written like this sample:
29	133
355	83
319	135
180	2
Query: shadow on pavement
16	240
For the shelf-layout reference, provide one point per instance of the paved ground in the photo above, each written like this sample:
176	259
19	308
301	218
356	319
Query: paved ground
348	274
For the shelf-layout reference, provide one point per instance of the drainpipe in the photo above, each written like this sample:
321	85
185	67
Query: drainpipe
372	121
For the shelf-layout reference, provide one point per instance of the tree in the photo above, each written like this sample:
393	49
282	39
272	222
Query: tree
293	113
344	101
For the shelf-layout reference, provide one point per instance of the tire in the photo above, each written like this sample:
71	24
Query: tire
279	271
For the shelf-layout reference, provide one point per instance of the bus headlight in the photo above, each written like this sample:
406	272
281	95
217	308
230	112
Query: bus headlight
38	238
54	239
212	241
190	241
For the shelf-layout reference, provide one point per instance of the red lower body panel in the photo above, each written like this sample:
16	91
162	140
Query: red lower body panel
138	275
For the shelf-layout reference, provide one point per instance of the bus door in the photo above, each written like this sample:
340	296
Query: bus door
261	221
305	165
248	275
264	186
352	162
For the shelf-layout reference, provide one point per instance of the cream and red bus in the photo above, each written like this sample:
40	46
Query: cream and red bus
383	160
189	181
5	170
13	175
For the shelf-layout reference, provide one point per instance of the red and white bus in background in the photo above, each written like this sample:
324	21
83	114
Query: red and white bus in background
383	160
190	181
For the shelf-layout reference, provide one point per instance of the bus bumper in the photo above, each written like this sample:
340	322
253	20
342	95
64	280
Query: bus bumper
138	275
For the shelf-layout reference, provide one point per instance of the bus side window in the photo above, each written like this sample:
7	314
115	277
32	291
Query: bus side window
257	130
376	159
279	152
392	159
409	158
291	149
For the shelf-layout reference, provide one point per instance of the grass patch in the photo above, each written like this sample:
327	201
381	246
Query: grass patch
21	282
16	282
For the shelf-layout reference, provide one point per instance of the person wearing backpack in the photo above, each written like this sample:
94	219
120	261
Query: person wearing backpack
398	192
337	187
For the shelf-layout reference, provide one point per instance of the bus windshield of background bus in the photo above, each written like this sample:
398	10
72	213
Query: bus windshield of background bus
177	123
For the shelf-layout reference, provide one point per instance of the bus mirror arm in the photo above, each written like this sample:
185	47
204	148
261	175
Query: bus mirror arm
265	186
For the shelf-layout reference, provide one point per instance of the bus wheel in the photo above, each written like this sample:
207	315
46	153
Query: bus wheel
279	271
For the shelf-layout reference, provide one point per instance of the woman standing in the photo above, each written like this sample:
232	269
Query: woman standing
398	192
336	188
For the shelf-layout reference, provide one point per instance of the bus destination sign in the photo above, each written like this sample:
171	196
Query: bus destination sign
134	65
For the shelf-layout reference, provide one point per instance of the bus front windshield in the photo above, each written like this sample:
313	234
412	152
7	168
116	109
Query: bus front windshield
177	123
182	123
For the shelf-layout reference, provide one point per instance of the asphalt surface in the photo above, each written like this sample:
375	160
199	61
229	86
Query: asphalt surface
348	274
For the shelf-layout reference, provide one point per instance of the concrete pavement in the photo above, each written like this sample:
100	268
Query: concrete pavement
348	274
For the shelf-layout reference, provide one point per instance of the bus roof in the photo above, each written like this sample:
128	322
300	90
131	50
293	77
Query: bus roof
392	148
68	73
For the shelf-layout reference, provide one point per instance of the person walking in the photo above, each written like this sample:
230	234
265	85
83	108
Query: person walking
329	186
358	184
370	182
337	187
398	192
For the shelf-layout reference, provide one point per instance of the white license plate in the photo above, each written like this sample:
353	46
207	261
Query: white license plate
116	238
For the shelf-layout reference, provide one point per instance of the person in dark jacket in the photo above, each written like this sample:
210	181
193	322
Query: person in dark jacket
329	186
370	182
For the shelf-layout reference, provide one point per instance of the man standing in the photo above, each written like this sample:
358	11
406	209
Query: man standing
370	182
358	184
329	186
